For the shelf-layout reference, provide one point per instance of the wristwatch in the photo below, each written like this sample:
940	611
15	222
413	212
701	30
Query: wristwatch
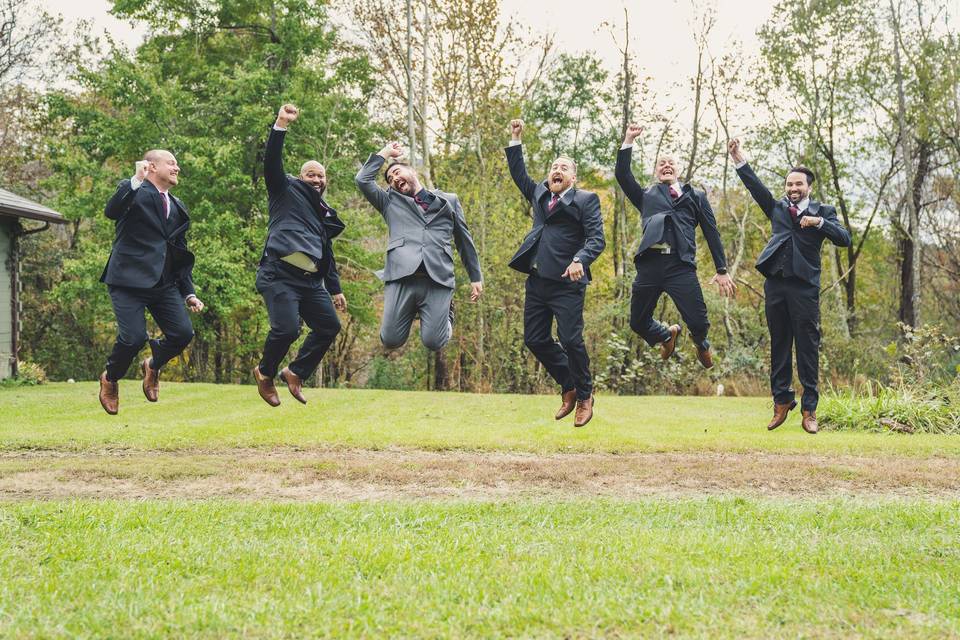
576	259
722	271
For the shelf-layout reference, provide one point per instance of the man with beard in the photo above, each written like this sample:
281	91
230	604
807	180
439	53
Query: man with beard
666	259
418	274
566	238
791	264
298	276
150	268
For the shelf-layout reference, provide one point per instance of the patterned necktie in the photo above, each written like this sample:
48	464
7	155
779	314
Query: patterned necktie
553	202
793	212
423	204
673	192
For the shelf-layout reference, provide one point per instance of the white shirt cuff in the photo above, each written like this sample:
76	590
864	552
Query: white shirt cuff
737	165
515	143
277	127
135	182
626	145
820	224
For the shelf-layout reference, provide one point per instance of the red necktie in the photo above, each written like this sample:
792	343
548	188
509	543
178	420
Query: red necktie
553	202
422	203
793	212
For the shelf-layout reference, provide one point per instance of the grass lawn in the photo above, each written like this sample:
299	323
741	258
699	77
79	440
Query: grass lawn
713	568
206	416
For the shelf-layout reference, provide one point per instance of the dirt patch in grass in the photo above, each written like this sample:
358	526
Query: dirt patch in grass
346	475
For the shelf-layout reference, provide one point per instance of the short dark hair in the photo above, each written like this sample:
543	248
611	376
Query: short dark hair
805	171
391	166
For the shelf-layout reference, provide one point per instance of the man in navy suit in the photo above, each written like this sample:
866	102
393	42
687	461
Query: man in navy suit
666	259
150	268
298	275
791	264
566	238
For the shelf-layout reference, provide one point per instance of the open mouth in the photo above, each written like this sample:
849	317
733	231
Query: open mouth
556	179
399	184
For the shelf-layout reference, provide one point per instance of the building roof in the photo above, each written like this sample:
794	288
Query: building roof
13	205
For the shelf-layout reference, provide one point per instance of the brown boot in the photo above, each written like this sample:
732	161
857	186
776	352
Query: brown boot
705	356
569	403
809	422
668	346
109	395
294	383
584	412
151	381
780	412
268	391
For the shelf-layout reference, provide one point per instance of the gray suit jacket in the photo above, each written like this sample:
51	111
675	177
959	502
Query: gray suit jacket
420	237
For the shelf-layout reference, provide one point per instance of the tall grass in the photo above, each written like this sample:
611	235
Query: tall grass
900	409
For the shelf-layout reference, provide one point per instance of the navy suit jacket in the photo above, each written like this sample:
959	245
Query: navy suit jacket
144	237
573	228
806	242
300	220
656	205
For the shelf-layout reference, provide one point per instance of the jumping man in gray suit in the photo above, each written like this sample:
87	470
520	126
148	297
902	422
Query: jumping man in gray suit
418	274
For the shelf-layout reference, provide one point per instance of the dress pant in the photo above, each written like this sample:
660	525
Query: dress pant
659	273
567	361
292	294
166	305
405	298
793	318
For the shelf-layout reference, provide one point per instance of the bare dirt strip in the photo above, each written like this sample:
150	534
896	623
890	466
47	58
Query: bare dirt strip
350	474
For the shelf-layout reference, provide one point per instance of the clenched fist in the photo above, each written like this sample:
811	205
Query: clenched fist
733	147
516	128
391	150
141	171
633	132
287	114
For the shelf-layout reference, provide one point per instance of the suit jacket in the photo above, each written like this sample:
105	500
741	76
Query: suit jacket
300	219
806	242
145	239
418	237
573	228
656	205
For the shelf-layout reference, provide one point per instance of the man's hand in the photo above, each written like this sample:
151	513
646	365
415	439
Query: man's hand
194	304
633	132
733	147
476	288
809	221
340	301
725	283
141	170
516	129
391	150
574	271
288	113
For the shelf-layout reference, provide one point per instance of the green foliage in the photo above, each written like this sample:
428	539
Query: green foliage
28	374
901	409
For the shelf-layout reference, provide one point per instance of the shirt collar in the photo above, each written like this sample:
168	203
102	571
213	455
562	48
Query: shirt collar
562	195
803	205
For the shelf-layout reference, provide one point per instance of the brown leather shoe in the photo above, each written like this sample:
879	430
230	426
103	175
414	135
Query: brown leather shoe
809	422
268	391
294	383
109	395
151	381
705	356
584	412
569	403
780	412
667	347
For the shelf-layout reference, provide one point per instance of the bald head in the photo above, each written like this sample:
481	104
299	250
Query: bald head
314	174
162	168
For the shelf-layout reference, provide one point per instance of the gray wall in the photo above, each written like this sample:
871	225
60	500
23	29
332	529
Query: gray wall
6	295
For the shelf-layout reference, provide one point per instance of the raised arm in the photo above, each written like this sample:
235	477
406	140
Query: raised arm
367	176
760	193
120	202
624	172
275	176
518	168
464	241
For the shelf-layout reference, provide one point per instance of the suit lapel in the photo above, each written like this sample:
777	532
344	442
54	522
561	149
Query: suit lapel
435	207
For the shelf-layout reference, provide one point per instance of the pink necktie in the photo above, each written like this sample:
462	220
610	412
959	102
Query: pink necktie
553	202
166	204
673	192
